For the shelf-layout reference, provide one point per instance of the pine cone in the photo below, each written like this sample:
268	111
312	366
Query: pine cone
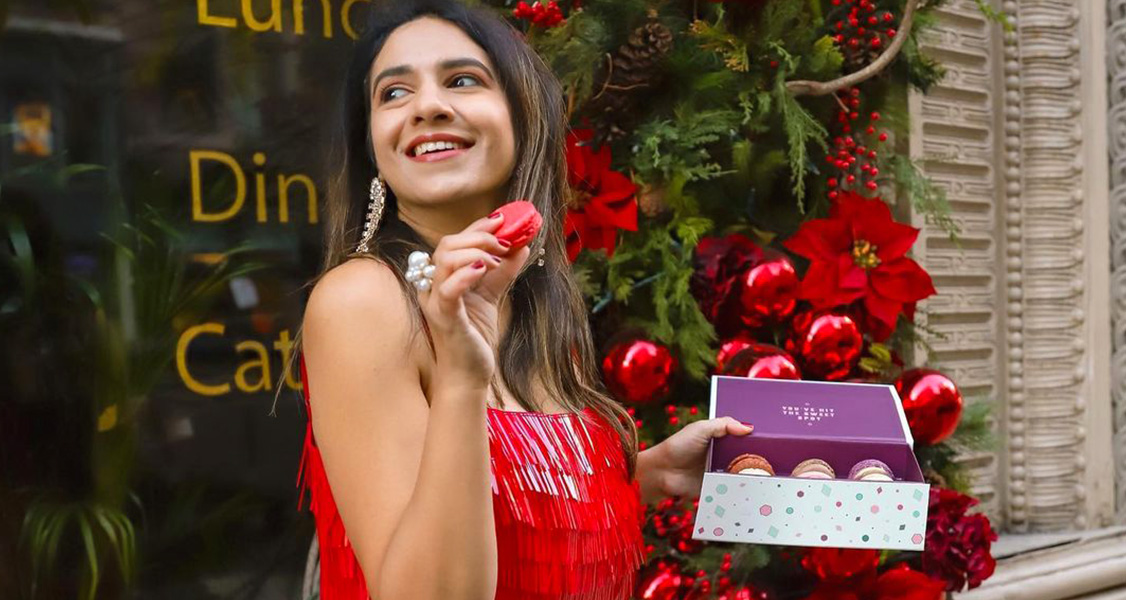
651	201
629	71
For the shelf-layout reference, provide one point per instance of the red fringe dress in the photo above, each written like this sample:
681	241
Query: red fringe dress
568	521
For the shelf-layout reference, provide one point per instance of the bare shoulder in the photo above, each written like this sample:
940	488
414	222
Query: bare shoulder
360	286
357	310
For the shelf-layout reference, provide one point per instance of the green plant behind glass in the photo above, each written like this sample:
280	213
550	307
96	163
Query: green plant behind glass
131	350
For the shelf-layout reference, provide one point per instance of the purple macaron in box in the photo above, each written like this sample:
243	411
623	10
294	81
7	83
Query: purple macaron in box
840	469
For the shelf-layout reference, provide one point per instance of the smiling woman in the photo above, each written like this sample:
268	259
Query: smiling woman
418	446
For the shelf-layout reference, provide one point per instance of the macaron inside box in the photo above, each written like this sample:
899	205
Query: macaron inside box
844	473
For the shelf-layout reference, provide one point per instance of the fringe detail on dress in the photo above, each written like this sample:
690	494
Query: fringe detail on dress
341	577
568	522
567	519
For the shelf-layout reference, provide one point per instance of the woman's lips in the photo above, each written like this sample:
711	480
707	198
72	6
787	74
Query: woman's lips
439	155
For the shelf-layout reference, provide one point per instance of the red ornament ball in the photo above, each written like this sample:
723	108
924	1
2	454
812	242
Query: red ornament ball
638	371
769	292
729	349
932	402
764	362
664	582
827	344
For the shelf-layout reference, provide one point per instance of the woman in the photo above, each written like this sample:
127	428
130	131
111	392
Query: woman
480	459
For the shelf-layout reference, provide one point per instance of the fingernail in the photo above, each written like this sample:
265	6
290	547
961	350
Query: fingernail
747	424
505	243
496	213
478	264
495	257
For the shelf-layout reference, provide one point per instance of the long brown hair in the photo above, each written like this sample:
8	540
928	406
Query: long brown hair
549	335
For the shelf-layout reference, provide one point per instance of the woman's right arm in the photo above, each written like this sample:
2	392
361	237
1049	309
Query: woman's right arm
411	480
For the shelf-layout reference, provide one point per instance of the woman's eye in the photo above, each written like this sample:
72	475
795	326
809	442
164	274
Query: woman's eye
469	77
385	96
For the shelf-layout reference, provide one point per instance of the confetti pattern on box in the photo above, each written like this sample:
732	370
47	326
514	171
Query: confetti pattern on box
801	512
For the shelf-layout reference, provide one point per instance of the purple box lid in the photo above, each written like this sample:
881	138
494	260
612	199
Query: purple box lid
812	409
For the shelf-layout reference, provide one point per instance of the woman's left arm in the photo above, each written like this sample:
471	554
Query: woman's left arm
675	467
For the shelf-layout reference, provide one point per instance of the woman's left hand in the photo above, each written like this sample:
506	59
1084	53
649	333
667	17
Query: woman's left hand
684	453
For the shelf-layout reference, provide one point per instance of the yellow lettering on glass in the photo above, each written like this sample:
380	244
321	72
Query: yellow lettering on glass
195	156
274	22
185	340
262	364
205	17
261	211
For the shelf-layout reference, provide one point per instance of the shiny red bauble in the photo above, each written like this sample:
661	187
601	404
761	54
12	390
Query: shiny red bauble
638	371
768	292
932	402
729	349
826	344
663	582
764	362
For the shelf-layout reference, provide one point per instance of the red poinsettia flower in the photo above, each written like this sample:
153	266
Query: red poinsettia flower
604	201
859	254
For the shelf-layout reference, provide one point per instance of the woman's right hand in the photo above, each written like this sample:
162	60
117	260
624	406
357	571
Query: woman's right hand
474	272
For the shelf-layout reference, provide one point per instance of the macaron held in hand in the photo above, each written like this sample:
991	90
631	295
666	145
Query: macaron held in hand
521	223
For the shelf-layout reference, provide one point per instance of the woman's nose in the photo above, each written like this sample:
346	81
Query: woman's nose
431	104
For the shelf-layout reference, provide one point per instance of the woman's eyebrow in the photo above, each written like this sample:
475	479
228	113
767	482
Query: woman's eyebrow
445	65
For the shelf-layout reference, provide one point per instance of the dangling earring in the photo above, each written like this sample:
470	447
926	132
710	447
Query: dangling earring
377	195
539	262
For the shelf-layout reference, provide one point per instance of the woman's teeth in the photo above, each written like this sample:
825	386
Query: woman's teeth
425	147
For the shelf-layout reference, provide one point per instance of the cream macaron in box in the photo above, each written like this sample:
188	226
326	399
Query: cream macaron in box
829	464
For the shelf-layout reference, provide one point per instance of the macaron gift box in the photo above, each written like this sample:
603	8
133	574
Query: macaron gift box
841	424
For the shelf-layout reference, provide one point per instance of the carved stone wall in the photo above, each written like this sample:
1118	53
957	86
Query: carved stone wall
1116	65
1022	299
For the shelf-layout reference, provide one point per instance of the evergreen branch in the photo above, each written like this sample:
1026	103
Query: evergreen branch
802	87
801	128
926	197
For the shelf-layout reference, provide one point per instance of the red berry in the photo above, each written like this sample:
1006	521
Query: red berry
872	154
861	149
875	43
853	115
888	18
874	171
673	420
832	182
846	128
873	20
861	32
871	130
891	33
773	64
875	116
851	179
883	137
833	195
638	423
693	410
642	446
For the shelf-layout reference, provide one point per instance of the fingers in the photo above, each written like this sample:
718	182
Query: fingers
451	261
724	425
448	291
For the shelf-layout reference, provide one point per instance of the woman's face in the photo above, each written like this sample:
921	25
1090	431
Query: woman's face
431	80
